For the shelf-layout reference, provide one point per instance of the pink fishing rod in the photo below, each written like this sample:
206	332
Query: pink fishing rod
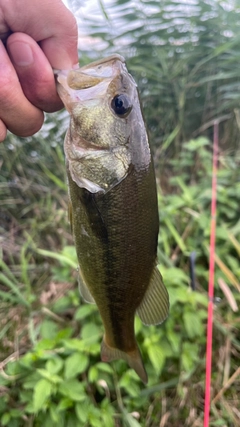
211	280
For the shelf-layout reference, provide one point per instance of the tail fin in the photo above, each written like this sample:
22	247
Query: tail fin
133	358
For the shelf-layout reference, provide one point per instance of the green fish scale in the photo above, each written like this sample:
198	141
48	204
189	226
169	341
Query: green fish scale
116	241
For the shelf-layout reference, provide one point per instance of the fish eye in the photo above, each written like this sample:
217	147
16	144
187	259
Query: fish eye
121	105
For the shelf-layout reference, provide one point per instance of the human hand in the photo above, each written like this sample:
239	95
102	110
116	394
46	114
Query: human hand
38	36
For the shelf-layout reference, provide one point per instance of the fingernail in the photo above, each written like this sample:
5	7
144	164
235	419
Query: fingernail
21	53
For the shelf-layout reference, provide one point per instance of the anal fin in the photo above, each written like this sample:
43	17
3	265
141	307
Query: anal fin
154	307
133	358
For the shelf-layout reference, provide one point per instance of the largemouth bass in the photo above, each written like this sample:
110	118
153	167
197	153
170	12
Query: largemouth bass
113	203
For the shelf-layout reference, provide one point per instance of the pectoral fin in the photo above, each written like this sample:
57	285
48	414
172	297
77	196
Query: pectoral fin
155	304
98	226
84	291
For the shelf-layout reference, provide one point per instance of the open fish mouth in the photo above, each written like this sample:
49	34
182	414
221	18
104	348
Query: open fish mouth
89	80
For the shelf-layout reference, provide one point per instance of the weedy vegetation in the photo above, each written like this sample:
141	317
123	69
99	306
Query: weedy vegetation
186	60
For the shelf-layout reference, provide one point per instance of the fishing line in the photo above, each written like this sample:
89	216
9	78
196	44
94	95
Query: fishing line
211	279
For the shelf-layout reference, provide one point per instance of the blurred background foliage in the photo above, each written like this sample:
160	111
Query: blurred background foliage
185	57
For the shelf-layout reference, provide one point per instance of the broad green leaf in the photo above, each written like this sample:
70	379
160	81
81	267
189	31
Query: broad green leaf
48	329
175	340
5	419
90	333
53	378
81	412
189	356
73	389
157	357
85	311
42	391
193	324
93	374
104	367
54	413
54	365
74	344
75	364
174	276
177	295
64	404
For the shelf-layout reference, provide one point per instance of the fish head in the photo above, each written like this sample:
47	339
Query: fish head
105	117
